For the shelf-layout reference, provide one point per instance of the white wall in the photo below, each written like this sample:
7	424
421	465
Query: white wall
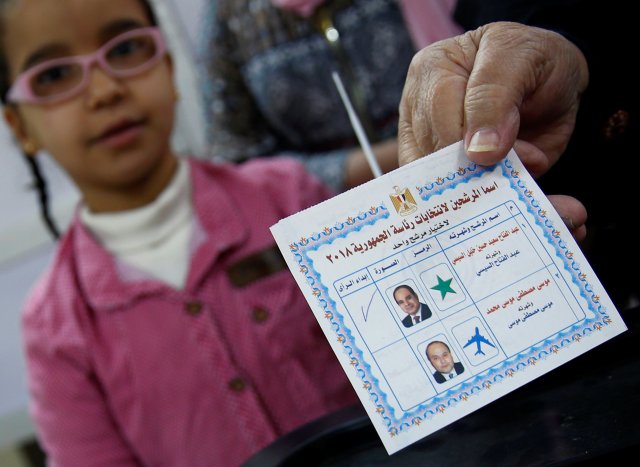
25	245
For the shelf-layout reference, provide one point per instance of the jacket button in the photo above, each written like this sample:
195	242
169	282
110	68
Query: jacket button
193	308
237	384
260	314
616	125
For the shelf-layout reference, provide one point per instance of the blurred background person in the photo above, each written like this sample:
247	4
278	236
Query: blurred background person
268	83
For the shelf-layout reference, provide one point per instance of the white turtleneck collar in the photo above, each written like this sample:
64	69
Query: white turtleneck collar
153	238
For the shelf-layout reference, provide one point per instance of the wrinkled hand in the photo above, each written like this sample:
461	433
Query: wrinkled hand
573	214
503	85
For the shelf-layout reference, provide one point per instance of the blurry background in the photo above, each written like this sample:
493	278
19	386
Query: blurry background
25	245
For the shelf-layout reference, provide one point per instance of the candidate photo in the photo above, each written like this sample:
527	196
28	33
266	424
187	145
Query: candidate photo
439	355
408	301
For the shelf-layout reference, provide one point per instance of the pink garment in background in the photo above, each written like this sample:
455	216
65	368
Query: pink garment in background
428	21
303	8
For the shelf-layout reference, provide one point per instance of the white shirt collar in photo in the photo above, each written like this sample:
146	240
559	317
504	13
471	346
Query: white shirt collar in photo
452	372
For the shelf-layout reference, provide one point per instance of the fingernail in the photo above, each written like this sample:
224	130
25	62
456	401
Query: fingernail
484	140
568	222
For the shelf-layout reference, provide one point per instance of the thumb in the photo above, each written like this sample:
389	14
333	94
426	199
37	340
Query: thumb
502	75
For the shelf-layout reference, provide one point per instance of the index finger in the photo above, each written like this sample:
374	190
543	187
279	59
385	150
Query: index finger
432	105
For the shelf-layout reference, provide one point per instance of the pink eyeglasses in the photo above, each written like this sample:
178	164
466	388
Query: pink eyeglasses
127	54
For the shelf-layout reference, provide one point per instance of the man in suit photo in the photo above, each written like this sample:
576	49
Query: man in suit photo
408	301
440	357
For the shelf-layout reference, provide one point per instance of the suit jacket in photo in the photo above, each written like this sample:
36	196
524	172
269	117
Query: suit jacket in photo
440	378
425	313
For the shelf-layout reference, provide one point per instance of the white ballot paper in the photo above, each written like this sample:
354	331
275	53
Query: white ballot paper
442	286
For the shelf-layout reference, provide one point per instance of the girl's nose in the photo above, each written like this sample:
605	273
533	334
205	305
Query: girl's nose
103	89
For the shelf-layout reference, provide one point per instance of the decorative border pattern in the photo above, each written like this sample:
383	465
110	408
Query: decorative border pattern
494	375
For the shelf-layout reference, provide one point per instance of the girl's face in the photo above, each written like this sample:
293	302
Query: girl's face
113	137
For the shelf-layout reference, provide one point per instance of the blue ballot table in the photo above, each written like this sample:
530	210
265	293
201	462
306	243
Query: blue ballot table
586	412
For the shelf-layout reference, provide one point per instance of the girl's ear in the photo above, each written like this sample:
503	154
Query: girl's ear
11	116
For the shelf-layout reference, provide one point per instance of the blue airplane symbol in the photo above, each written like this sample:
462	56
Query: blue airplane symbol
479	340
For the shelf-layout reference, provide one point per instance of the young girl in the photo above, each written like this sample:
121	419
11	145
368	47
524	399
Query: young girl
167	331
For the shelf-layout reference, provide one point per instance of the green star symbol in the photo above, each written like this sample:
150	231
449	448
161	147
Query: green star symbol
444	287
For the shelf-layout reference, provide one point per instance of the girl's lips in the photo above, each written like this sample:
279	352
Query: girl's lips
120	135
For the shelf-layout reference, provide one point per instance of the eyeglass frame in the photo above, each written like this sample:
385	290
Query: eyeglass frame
21	90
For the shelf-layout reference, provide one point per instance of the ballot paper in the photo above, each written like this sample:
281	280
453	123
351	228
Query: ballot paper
500	289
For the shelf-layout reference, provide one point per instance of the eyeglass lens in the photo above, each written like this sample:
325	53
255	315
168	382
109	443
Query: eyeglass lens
124	57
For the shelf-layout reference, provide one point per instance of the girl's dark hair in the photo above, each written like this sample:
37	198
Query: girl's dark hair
39	182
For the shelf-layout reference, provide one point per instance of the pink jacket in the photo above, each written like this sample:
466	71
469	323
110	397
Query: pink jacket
125	370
